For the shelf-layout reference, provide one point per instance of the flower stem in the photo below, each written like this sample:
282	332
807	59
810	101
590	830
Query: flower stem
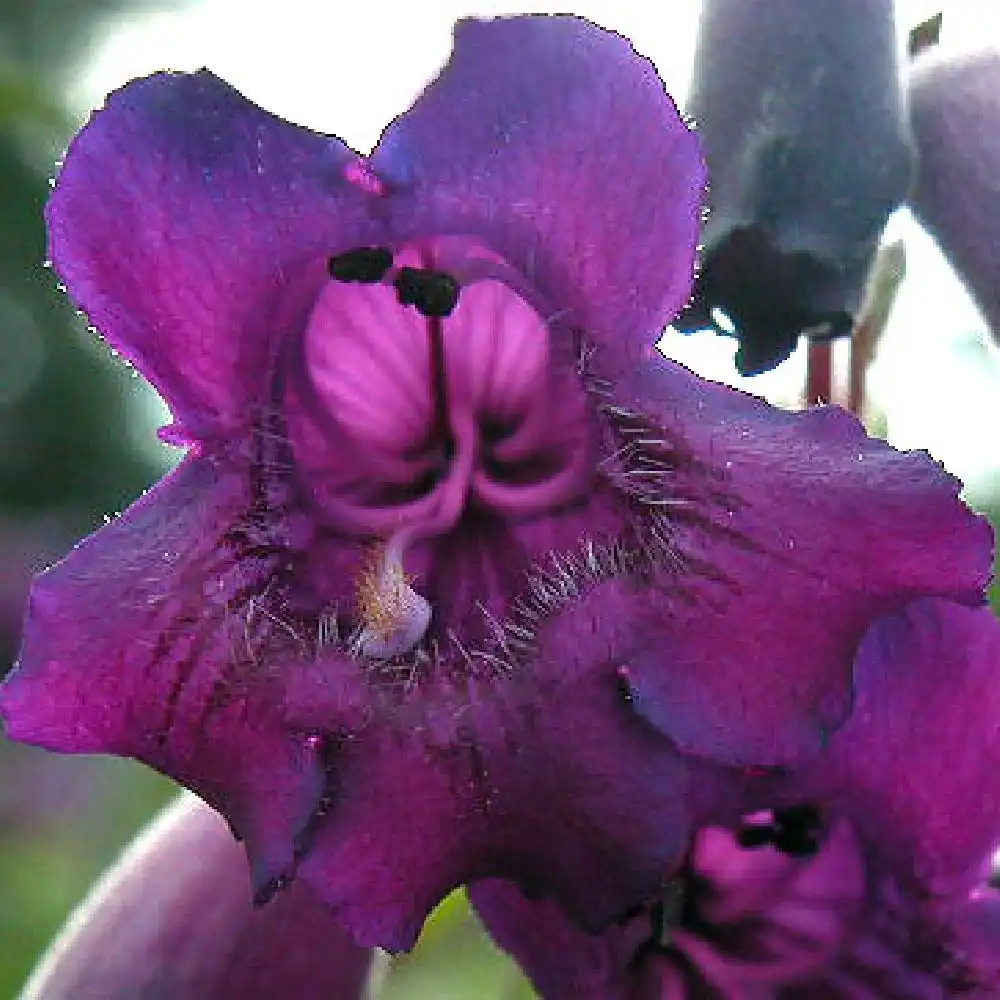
819	372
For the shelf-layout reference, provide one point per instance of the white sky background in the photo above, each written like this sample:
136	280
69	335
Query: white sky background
350	66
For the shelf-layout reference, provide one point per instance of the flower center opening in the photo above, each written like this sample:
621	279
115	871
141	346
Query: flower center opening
428	389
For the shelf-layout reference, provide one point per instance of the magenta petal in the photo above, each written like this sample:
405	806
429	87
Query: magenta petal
793	531
562	961
410	819
173	921
547	779
955	116
915	767
977	928
553	141
191	227
135	644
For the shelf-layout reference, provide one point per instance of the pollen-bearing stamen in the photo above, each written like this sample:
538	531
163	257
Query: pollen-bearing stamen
432	293
364	265
394	616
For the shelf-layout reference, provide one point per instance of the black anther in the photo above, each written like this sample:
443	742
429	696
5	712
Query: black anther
749	837
365	264
794	831
431	293
796	843
798	829
800	818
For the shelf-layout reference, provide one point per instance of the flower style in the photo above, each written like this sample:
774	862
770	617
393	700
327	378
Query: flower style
459	579
885	896
798	109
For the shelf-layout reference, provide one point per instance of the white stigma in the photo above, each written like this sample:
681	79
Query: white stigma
395	617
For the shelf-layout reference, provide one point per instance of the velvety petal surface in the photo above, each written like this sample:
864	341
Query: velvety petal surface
915	767
173	921
192	228
954	113
909	947
562	961
791	532
550	139
548	779
150	639
798	111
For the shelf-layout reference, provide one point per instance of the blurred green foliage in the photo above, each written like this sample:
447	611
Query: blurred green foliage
455	960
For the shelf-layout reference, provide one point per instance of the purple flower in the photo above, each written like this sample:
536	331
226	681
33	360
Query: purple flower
460	579
740	923
172	921
732	923
954	105
891	899
798	109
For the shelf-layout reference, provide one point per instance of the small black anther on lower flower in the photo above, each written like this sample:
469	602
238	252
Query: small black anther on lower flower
794	831
431	293
749	837
798	830
802	817
796	843
365	264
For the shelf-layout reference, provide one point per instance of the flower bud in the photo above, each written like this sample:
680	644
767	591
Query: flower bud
954	111
798	110
173	920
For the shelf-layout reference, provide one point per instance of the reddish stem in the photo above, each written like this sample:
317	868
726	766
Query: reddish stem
819	372
859	369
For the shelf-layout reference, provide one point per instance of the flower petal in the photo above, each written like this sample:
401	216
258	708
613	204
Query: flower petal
192	228
797	108
911	946
147	641
915	766
544	777
173	919
954	114
562	961
792	531
554	141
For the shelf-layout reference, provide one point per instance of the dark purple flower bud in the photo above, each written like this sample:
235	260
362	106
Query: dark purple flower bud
173	920
955	117
441	597
797	108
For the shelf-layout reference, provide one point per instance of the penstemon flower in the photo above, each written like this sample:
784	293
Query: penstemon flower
459	579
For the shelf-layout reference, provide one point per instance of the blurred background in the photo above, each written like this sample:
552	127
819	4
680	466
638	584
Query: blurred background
77	428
